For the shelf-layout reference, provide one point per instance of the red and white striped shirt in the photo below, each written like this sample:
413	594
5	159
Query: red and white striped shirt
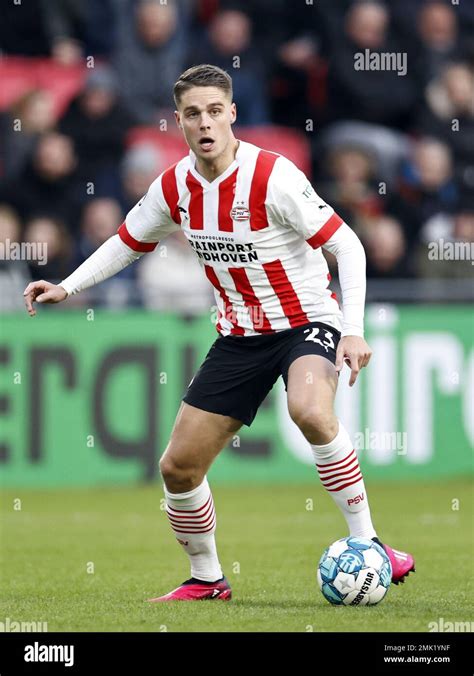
250	228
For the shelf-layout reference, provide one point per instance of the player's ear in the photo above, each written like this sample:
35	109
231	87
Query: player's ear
233	113
177	117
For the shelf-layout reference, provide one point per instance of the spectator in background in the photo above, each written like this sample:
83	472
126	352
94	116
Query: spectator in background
378	96
438	41
100	220
448	114
385	248
299	83
427	186
448	228
98	123
164	286
10	224
387	148
349	184
14	274
406	19
297	54
150	59
272	21
49	183
52	28
140	166
31	116
65	22
228	44
51	234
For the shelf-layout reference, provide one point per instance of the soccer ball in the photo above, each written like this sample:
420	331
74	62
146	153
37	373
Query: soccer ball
354	572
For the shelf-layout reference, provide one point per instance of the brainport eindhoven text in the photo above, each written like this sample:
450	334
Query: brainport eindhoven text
224	251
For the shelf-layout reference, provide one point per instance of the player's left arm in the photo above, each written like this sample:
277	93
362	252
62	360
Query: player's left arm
295	202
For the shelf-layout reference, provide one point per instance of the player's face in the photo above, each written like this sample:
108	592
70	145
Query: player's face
205	115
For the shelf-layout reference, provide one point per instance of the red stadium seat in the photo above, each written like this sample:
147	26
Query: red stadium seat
170	145
64	82
289	142
17	77
20	75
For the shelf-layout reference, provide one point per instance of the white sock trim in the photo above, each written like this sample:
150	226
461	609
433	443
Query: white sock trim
189	494
324	452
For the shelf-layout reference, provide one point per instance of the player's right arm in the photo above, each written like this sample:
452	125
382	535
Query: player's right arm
145	225
42	292
111	257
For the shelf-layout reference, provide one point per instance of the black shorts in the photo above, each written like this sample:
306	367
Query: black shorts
239	371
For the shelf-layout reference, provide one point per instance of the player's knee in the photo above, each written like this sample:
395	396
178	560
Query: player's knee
179	477
318	425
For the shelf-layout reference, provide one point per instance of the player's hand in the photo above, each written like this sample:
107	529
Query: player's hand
355	352
42	292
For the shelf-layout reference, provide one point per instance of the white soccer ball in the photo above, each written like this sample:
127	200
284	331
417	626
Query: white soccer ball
354	572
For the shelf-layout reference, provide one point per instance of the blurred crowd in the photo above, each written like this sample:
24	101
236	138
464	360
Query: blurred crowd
392	151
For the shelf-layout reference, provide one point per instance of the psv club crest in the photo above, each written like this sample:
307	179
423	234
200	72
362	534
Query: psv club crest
240	212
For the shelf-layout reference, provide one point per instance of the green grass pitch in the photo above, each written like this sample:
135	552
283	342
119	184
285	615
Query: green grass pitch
269	544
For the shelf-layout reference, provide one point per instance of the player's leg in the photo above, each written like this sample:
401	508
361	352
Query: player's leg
312	384
197	438
226	391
